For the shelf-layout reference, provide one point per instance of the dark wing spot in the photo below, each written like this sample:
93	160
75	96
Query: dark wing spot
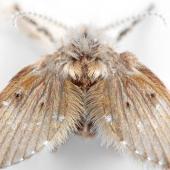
152	95
127	104
18	95
42	104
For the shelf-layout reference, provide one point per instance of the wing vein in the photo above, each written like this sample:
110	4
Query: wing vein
123	112
138	91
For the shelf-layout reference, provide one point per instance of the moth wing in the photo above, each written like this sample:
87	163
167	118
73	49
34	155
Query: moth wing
34	111
133	112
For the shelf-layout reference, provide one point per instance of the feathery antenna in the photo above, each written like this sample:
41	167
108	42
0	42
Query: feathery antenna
21	14
135	19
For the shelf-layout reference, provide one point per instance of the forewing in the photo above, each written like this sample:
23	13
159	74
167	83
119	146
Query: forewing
134	113
36	109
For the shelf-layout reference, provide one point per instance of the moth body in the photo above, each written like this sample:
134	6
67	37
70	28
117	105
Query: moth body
84	60
87	88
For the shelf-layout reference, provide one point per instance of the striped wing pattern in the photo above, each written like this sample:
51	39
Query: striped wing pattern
134	113
36	110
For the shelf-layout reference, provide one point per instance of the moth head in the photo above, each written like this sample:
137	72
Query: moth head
86	52
84	41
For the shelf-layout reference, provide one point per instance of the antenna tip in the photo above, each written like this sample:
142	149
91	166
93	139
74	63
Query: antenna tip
151	7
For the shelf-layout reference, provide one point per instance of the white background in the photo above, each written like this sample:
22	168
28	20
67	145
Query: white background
149	41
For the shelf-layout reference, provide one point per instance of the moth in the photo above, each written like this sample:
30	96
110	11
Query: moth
86	88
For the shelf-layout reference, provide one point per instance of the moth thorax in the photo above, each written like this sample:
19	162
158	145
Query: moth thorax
90	70
73	70
97	69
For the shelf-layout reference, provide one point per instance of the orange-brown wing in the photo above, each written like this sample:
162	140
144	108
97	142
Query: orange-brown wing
132	110
36	109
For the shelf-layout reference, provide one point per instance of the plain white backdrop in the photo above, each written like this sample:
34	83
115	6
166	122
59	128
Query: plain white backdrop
149	41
